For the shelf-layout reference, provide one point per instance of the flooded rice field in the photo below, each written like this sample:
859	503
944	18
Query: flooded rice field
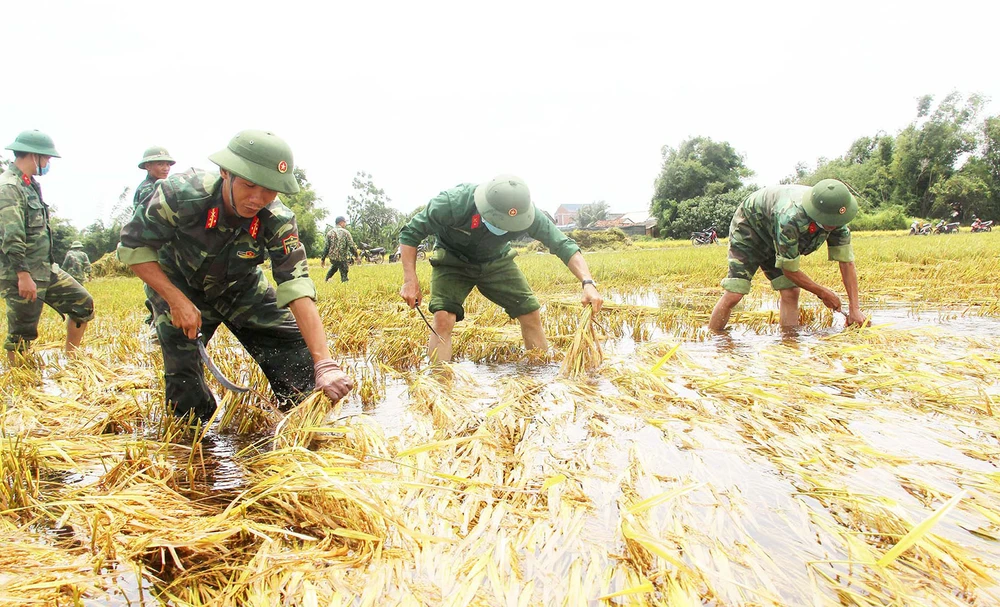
821	466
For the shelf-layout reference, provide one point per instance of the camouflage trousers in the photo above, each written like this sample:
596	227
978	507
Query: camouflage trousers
338	265
61	292
748	253
269	334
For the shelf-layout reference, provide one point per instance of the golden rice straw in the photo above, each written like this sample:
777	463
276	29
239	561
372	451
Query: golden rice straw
584	354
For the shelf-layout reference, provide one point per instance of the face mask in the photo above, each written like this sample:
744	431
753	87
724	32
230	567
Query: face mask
45	169
493	228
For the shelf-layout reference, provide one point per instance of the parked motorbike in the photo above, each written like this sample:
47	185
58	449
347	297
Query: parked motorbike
421	253
919	228
709	236
982	226
372	254
946	228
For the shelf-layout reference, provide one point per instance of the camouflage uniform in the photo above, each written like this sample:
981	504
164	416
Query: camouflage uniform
340	248
26	246
469	255
771	231
77	264
214	260
144	190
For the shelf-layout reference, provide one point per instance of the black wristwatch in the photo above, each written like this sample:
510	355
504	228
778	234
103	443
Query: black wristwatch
588	282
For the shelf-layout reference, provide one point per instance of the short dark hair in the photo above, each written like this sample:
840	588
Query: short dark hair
20	154
340	219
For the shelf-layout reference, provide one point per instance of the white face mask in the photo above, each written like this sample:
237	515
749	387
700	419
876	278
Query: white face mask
493	228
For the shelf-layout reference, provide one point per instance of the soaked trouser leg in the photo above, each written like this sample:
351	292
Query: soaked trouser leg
183	373
272	337
61	292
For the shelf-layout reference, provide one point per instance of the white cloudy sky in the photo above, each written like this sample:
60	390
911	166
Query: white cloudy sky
576	97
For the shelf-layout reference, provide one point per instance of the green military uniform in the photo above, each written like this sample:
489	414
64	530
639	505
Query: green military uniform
340	249
144	190
772	231
26	246
76	263
469	255
215	261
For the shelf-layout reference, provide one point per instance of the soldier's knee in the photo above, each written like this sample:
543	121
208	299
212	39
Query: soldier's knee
83	311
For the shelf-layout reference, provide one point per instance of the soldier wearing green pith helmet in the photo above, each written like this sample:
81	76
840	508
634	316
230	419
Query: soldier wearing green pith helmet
198	244
77	262
29	277
474	225
772	229
156	161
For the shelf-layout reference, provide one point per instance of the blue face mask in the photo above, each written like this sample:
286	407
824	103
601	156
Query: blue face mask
45	169
493	228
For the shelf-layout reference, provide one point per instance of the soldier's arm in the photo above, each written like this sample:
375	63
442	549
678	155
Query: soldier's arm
786	248
350	245
558	243
433	219
838	245
86	263
12	227
289	265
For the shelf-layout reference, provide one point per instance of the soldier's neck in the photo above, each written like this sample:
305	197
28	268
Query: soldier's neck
26	165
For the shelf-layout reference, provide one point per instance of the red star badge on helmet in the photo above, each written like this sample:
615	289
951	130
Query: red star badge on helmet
512	212
282	167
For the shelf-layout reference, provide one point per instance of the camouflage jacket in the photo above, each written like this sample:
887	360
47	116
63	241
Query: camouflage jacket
771	221
76	264
185	228
339	245
453	217
144	190
25	235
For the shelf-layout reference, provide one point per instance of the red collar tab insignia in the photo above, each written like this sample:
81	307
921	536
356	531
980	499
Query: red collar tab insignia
812	227
26	179
282	167
477	221
213	218
254	227
512	212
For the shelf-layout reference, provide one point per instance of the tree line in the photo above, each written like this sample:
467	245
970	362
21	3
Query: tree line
944	163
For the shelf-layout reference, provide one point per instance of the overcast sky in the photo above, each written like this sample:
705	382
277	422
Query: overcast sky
575	97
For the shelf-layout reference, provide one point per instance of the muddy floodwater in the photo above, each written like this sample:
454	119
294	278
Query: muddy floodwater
821	466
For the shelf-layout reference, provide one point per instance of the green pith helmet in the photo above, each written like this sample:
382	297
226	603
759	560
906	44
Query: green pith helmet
830	203
156	154
76	245
34	142
505	203
260	157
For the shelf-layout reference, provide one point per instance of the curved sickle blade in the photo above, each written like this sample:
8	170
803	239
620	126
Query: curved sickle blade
228	385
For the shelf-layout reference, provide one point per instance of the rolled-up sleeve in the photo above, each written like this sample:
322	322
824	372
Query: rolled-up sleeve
558	243
150	228
289	265
838	245
786	248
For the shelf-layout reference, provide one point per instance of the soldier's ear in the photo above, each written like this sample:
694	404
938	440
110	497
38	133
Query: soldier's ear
224	173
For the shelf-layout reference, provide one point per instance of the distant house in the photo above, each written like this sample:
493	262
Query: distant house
566	214
635	223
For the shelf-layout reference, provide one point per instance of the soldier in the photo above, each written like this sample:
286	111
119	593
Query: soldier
76	263
157	162
474	225
198	246
340	248
28	275
772	229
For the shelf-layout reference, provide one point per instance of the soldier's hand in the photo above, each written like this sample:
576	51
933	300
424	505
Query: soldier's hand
26	286
410	292
830	299
186	317
855	317
593	297
332	380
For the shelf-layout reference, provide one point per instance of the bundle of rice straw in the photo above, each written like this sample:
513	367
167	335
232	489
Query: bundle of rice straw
584	354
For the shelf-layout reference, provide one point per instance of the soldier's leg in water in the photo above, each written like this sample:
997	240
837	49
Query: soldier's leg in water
22	319
450	286
183	372
742	267
788	293
272	337
68	297
503	283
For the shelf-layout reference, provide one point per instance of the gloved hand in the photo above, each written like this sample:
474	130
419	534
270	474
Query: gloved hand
332	380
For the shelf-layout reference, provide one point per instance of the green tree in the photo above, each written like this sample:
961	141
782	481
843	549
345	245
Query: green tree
926	151
696	214
373	221
590	213
965	191
699	167
63	235
308	213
